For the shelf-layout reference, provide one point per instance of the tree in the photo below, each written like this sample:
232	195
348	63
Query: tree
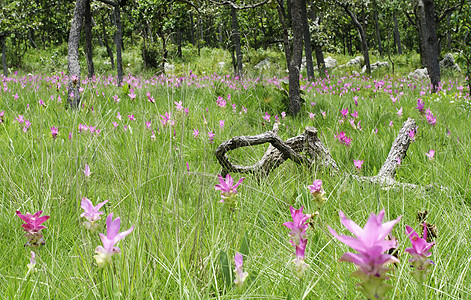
307	40
296	56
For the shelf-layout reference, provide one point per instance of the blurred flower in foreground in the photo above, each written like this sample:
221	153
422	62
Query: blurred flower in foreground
239	273
420	252
371	243
91	213
33	227
113	236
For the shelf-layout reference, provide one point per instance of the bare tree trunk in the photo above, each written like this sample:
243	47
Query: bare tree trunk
4	55
296	58
236	40
318	47
448	35
88	39
429	37
378	33
397	36
119	44
362	33
73	94
192	29
107	45
179	42
307	41
282	18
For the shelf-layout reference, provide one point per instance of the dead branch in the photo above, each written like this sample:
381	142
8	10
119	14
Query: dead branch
309	143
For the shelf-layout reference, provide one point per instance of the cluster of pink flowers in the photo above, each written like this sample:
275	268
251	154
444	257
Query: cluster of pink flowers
430	118
298	238
86	128
344	139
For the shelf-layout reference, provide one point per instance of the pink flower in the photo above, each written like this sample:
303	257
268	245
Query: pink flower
33	226
411	134
221	102
358	164
211	136
420	106
344	112
324	114
32	263
430	118
298	228
20	119
420	252
27	125
91	213
54	132
312	115
87	171
148	124
116	98
399	111
178	105
430	154
343	139
227	187
131	117
150	98
354	114
166	118
266	117
355	99
221	123
118	116
239	273
283	115
113	236
317	191
41	102
132	95
370	242
196	133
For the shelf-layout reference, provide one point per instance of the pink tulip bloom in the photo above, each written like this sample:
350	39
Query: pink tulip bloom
211	136
430	154
420	252
266	117
239	273
227	187
358	164
91	213
132	95
420	106
32	263
344	112
343	139
131	117
112	237
196	133
87	171
317	191
54	132
178	105
399	111
33	227
298	238
411	134
221	123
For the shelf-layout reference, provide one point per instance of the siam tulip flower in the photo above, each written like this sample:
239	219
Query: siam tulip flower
59	100
27	125
54	132
20	119
196	133
420	106
430	154
358	164
391	124
283	115
420	252
187	167
277	119
70	135
312	115
228	190
87	171
234	107
116	98
344	112
221	102
317	191
41	102
266	117
15	96
115	124
324	114
148	124
91	213
33	227
131	117
298	238
118	116
399	112
343	139
411	134
150	98
178	105
113	236
211	136
355	99
430	118
354	114
371	243
239	273
132	95
153	137
221	123
32	263
352	123
166	118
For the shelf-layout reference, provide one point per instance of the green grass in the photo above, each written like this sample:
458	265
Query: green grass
181	229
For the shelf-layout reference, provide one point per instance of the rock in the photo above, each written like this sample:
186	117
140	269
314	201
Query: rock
168	67
264	64
448	62
221	65
355	73
330	63
359	60
376	65
419	74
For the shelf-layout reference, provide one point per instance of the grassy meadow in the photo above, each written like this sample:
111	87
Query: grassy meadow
160	178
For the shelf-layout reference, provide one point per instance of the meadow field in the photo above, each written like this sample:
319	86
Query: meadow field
148	147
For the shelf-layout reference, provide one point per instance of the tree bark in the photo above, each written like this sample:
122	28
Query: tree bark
87	26
236	41
318	47
296	57
362	33
282	18
307	41
105	41
192	29
119	44
179	42
429	37
397	36
4	55
73	94
378	33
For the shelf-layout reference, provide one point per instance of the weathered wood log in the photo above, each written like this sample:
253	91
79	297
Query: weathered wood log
309	143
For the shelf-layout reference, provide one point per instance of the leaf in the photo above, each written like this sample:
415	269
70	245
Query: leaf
225	269
244	246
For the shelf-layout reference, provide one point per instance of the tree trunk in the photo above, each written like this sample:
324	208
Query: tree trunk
378	33
282	18
307	41
448	35
318	48
397	36
179	42
429	37
349	42
107	45
236	40
364	42
119	44
87	26
4	55
296	57
192	29
73	94
220	35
